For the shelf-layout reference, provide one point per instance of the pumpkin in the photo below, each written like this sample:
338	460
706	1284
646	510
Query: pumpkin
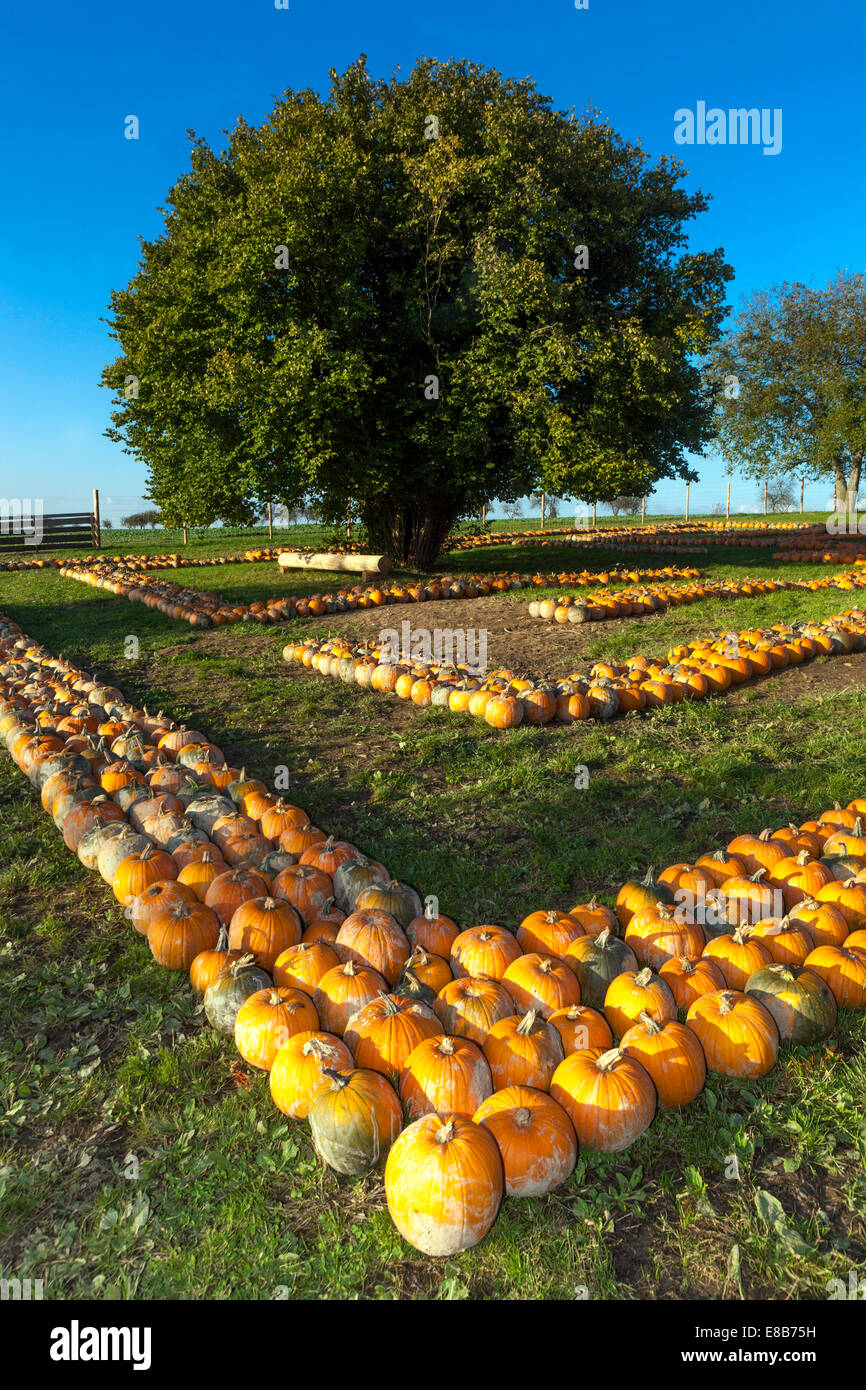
383	1034
445	1076
444	1182
594	917
306	888
345	990
801	1002
596	961
236	982
138	870
397	899
266	928
209	963
298	839
580	1027
468	1008
690	979
799	877
434	933
672	1055
535	1138
180	932
789	943
635	896
542	983
738	1035
231	888
146	908
844	969
759	851
354	874
823	921
548	933
738	956
849	898
354	1120
744	901
267	1019
373	938
298	1073
609	1097
329	855
655	935
523	1051
483	953
304	965
632	994
276	817
720	865
431	971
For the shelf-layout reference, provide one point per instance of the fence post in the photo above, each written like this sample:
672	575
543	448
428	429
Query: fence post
594	506
348	518
543	500
643	510
688	485
96	528
802	485
765	497
185	533
728	505
271	520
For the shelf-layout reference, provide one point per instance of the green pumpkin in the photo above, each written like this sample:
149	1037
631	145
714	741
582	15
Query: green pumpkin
352	876
801	1003
234	985
398	899
599	964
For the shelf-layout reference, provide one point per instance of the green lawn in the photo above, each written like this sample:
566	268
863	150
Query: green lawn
105	1055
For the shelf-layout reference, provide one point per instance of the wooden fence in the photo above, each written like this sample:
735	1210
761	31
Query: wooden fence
32	532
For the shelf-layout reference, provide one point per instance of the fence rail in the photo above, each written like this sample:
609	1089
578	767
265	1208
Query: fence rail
49	532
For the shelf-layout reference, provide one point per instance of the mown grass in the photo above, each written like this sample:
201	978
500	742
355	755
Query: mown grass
106	1060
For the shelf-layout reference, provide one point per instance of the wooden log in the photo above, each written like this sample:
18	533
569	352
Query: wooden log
355	564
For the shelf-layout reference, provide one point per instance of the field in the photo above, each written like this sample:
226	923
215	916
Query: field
142	1159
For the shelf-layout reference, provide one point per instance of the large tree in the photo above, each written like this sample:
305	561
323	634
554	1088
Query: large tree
418	294
790	383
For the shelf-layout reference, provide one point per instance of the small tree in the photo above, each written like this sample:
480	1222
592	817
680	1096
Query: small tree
780	496
624	506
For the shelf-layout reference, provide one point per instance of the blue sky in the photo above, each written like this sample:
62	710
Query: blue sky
78	195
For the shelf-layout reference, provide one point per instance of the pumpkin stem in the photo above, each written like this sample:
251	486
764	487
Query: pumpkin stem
391	1007
269	904
445	1133
643	977
647	882
446	1046
651	1024
349	968
757	876
609	1059
522	1117
527	1023
338	1079
603	937
726	1002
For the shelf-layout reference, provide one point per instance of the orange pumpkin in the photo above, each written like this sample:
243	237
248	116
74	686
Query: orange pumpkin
343	991
843	968
690	979
139	870
444	1182
468	1008
737	1034
523	1051
435	934
374	939
385	1032
656	934
303	966
445	1076
266	1021
672	1055
609	1097
738	956
483	953
306	888
542	983
181	932
298	1071
632	994
823	921
233	887
548	933
580	1027
535	1138
266	928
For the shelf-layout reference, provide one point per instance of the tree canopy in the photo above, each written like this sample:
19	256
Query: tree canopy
790	385
419	294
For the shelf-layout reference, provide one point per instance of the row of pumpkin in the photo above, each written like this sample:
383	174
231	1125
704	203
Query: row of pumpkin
505	1050
687	535
201	608
170	560
570	608
505	700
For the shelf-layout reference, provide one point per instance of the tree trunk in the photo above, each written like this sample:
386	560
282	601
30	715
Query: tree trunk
854	481
410	533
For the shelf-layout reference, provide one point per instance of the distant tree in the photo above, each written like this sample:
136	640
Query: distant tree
624	506
514	510
134	522
780	496
552	504
790	385
718	509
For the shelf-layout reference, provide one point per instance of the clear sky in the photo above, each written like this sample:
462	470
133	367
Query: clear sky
77	194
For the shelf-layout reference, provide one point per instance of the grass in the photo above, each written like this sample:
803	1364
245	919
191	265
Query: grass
141	1159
